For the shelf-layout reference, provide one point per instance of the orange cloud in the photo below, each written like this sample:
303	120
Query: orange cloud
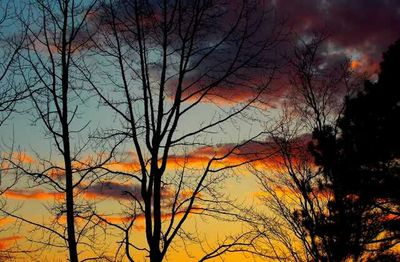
45	195
355	64
123	166
365	65
5	221
6	242
23	157
33	195
232	92
262	154
19	157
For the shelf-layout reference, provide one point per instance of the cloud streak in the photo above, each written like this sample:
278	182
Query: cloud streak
32	195
6	242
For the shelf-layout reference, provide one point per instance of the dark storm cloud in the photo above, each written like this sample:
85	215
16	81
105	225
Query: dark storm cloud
358	29
114	190
117	191
243	83
364	26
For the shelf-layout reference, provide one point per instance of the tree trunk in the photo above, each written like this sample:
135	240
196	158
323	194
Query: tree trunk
69	196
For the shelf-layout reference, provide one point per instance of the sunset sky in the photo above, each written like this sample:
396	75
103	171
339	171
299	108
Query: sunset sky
359	30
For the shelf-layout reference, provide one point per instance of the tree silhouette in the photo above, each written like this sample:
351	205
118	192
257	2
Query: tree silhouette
47	63
163	60
361	167
154	67
292	192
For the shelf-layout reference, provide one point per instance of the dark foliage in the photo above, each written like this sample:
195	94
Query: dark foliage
360	159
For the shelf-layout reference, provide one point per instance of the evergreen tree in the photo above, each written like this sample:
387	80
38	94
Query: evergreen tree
361	163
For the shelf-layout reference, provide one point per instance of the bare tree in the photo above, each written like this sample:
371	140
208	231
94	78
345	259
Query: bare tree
56	40
161	61
293	192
